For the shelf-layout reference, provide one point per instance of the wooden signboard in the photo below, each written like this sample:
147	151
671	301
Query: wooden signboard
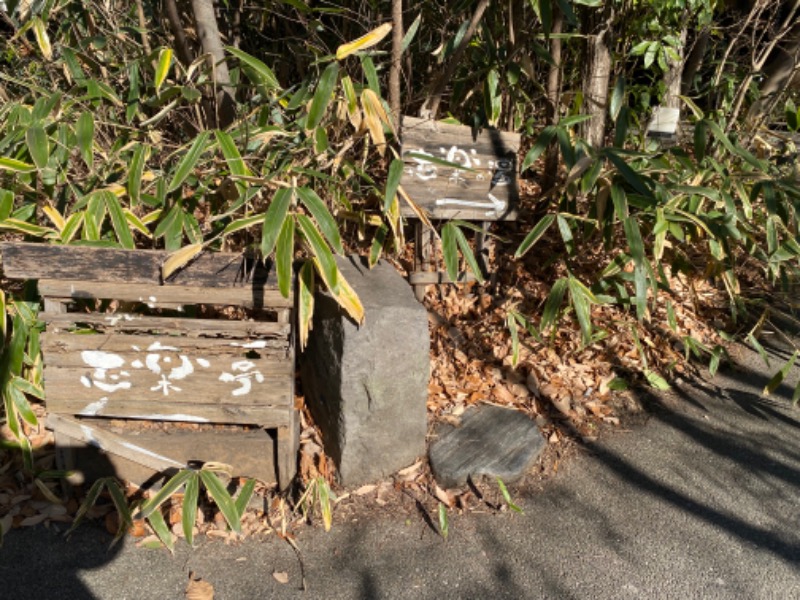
485	189
149	361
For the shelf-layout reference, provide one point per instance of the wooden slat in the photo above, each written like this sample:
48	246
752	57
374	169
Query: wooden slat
210	269
150	354
250	453
110	442
486	192
202	386
170	295
63	349
119	322
267	416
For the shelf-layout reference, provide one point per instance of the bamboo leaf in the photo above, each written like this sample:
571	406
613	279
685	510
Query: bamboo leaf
189	508
469	256
511	323
222	499
324	496
778	377
38	145
257	71
84	133
321	251
284	254
392	182
322	95
162	68
54	216
552	305
617	98
274	219
136	223
327	224
346	296
123	509
305	301
243	223
539	146
365	41
21	405
580	303
243	499
26	228
188	162
411	32
636	181
656	380
449	250
444	525
135	172
535	235
374	117
167	490
91	498
42	39
162	531
119	221
14	165
26	387
71	227
234	159
507	496
177	260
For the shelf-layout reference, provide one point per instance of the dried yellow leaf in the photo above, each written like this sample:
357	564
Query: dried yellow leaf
179	259
364	42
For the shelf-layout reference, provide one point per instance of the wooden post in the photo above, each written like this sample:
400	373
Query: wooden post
423	254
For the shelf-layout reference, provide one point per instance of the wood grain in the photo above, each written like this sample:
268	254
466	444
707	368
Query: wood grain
210	269
213	328
167	295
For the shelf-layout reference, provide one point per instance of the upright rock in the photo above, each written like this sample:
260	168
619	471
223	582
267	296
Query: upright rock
367	386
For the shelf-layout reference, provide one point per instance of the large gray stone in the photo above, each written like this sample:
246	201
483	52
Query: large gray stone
367	386
490	441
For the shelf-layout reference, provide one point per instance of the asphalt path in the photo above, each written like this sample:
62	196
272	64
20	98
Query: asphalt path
701	501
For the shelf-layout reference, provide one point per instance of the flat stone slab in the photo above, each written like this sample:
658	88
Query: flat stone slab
491	441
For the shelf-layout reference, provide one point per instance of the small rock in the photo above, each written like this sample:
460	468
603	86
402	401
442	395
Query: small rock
491	441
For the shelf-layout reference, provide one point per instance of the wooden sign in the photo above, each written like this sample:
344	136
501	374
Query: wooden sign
483	189
149	360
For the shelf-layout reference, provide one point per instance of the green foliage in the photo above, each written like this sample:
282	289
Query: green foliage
20	369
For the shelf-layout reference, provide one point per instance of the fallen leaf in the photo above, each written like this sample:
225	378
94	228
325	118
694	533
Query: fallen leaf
365	489
197	589
281	576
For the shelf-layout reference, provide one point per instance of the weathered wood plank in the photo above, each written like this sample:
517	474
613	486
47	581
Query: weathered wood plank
210	269
63	349
132	323
485	190
275	415
248	382
171	295
250	453
110	442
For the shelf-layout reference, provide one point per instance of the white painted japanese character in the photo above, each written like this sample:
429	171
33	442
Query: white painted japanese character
244	378
107	374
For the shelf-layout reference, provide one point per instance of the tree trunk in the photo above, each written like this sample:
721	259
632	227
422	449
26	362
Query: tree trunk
674	75
694	61
395	72
208	32
430	107
780	71
597	76
550	174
